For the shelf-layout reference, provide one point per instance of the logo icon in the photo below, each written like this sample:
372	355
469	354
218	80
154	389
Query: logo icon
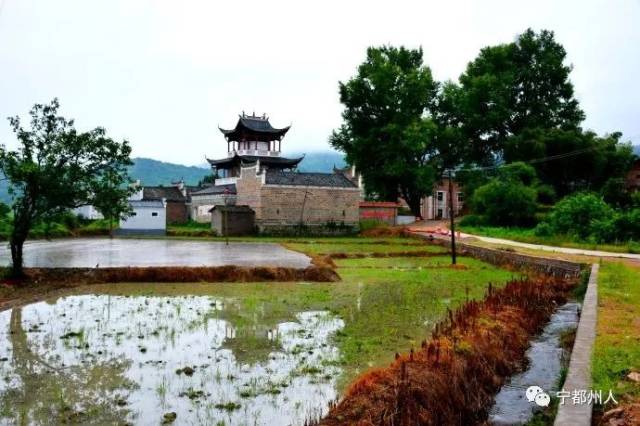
538	395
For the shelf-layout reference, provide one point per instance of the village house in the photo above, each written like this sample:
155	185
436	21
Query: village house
175	198
148	216
436	206
254	174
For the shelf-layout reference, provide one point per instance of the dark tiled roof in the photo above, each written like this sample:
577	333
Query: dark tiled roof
232	209
170	193
335	180
250	159
147	203
255	124
216	189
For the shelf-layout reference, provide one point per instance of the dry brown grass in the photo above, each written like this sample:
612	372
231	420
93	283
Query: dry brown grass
179	274
385	231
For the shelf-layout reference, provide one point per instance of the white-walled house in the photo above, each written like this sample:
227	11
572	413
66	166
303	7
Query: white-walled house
148	216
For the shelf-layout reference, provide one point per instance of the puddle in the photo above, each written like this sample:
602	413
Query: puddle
545	357
105	252
104	359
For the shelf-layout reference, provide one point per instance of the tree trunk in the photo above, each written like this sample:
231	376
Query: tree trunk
16	245
414	202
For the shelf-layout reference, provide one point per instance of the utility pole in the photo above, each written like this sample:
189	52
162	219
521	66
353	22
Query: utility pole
226	198
453	229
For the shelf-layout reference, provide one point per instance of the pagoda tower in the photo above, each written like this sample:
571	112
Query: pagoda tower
253	140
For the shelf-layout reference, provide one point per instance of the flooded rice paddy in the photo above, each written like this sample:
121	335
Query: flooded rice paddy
111	359
122	252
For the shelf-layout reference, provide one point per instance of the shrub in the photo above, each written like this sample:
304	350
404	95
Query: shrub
627	225
603	230
543	229
575	214
505	203
472	220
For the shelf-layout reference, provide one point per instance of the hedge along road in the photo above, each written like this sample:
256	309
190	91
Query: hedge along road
104	252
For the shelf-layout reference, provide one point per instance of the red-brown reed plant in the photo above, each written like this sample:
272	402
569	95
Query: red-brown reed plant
453	378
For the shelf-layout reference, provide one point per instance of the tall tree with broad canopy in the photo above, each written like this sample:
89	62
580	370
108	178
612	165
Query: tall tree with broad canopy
387	131
509	88
56	168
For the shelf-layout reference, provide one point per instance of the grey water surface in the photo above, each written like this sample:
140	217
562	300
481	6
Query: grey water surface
545	362
122	252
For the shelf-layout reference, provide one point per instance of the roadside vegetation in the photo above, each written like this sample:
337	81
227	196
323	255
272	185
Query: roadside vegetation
581	220
617	348
528	235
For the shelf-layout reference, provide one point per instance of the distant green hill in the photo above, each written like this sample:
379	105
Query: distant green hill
154	172
321	162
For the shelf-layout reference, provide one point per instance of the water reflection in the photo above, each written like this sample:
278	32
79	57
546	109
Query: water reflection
108	359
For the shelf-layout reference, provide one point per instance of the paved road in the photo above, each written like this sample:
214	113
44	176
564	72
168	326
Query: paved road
439	227
104	252
566	250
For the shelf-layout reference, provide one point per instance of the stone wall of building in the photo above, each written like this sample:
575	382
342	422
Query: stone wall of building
201	204
312	206
281	207
233	220
248	188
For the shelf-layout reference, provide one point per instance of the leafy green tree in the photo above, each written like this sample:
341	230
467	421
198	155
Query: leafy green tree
387	132
110	196
595	159
510	198
56	168
4	210
509	88
207	180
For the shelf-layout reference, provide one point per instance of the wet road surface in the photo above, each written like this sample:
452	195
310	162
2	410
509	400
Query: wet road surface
104	252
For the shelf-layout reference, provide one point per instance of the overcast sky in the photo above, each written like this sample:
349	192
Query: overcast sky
165	74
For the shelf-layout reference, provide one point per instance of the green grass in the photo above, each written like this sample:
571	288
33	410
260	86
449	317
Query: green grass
617	348
526	235
388	304
358	245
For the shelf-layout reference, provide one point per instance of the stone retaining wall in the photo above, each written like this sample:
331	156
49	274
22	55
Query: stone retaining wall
524	262
579	373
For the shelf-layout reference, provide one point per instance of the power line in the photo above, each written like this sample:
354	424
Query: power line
533	161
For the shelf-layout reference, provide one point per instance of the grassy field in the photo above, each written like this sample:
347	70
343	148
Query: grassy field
617	349
526	235
388	304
